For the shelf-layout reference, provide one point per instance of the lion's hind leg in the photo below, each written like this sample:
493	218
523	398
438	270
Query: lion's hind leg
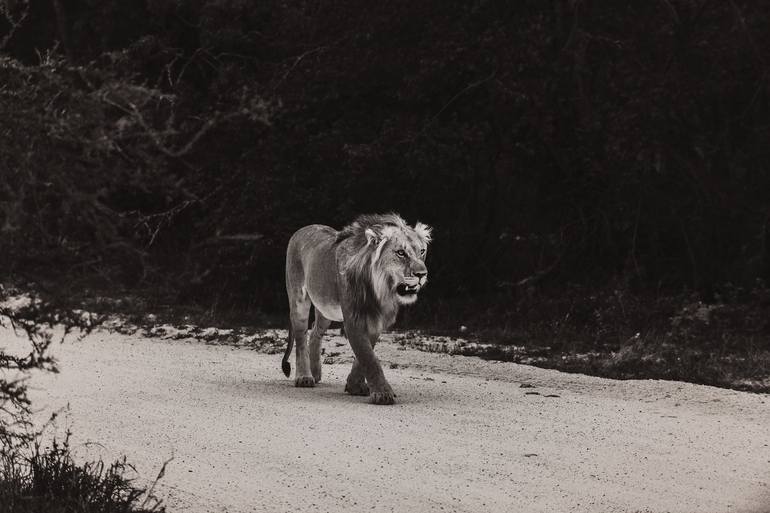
316	336
299	312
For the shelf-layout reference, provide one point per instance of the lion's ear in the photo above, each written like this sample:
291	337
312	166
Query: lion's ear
424	231
372	237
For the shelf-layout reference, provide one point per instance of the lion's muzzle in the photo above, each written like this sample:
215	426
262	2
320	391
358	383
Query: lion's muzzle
405	289
411	285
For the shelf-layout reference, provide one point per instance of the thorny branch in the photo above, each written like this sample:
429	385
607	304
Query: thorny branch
36	319
257	109
14	20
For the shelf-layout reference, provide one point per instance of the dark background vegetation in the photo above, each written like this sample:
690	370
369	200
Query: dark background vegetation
596	171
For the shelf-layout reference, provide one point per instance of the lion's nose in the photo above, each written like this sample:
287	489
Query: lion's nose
420	274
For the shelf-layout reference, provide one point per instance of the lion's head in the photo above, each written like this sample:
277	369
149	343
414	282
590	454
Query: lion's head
388	263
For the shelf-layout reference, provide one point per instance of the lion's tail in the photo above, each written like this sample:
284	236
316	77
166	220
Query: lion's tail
285	365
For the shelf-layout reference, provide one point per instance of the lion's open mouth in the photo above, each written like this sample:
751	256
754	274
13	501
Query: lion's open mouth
407	290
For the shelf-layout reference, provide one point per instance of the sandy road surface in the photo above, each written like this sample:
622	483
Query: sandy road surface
465	435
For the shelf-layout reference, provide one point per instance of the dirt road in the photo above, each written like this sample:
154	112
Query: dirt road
466	434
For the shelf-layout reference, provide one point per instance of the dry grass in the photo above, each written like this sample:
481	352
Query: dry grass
35	479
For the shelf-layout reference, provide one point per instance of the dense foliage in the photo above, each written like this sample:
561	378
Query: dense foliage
177	145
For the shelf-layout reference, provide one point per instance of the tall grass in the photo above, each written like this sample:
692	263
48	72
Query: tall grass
34	479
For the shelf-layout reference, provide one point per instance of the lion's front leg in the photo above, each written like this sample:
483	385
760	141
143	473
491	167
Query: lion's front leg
356	382
367	364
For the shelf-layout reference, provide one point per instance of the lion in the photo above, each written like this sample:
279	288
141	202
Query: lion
360	276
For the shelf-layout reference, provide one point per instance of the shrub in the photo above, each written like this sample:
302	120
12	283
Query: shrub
35	479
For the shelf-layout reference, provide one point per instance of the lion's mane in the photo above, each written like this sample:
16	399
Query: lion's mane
367	282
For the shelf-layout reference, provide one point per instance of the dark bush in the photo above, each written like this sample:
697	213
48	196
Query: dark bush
176	145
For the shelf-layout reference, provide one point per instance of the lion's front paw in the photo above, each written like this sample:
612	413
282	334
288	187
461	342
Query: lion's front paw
357	388
316	374
304	381
386	396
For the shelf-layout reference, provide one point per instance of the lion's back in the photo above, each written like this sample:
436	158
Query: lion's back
311	238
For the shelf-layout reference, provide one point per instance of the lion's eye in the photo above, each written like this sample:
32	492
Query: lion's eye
422	251
401	253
